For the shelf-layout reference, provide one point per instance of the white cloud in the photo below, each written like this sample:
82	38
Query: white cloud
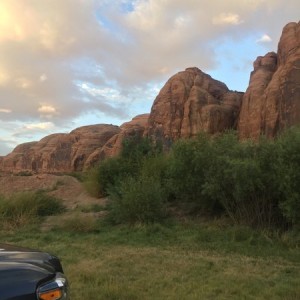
39	126
4	77
264	39
23	83
227	19
43	77
48	47
5	110
46	109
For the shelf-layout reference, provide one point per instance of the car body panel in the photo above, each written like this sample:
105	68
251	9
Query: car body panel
23	270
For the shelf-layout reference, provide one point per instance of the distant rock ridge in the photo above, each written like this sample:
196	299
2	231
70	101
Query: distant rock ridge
113	146
190	102
59	152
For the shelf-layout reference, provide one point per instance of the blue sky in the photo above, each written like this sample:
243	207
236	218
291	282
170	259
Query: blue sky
65	64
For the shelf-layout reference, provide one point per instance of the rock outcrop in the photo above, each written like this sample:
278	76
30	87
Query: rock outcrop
191	101
135	127
272	100
59	152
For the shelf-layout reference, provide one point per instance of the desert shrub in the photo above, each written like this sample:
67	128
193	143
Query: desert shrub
137	200
91	208
187	170
79	224
255	183
47	205
245	178
112	170
135	148
225	169
155	167
289	144
91	183
24	173
109	173
24	208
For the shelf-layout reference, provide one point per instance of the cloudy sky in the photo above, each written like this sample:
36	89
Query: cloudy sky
69	63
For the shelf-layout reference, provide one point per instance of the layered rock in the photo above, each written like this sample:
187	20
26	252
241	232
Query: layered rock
272	100
59	152
191	101
135	127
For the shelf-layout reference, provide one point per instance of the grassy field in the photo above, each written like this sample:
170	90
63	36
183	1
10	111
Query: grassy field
206	260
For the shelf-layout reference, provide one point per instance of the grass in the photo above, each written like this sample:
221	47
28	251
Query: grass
92	208
204	260
21	209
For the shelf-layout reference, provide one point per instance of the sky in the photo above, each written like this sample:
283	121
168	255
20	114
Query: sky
70	63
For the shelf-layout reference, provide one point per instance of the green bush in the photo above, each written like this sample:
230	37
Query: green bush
137	200
243	177
189	163
155	167
254	183
25	208
289	144
47	205
135	148
111	171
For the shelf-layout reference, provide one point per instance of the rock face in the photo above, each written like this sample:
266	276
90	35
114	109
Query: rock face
191	101
272	100
59	152
113	146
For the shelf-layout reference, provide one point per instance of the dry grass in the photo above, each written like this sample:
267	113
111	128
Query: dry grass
170	262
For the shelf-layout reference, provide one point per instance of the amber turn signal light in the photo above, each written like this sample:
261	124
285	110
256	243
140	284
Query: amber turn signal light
51	295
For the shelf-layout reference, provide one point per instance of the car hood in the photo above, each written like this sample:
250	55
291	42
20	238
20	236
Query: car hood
15	254
22	270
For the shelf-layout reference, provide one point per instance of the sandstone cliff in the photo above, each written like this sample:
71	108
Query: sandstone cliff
59	152
272	100
191	101
113	146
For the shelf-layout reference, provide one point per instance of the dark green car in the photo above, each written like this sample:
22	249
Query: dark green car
27	274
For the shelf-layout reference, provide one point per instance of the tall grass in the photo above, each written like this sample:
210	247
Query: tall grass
191	260
25	208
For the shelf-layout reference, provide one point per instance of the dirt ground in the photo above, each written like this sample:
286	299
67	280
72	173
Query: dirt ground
64	187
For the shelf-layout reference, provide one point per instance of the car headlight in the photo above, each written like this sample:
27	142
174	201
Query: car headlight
54	290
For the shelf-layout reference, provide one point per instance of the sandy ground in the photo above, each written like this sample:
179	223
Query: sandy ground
64	187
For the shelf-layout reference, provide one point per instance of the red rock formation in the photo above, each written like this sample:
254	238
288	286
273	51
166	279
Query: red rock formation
135	127
190	102
16	160
272	100
113	146
59	152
